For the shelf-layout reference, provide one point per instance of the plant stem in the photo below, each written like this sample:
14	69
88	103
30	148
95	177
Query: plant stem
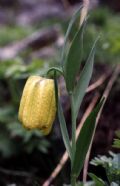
73	119
73	180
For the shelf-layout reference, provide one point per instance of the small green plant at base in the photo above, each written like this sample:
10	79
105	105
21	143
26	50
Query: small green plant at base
112	167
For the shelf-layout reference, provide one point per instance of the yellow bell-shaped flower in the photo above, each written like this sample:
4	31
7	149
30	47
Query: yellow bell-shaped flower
38	106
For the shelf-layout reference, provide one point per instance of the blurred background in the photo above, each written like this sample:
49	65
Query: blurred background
31	37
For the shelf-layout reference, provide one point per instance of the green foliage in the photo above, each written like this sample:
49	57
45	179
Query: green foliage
19	70
12	33
97	181
111	165
73	56
116	142
14	138
84	79
100	16
69	29
105	23
83	142
73	61
64	129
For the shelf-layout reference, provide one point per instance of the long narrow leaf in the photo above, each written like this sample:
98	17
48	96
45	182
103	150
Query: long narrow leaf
74	58
84	140
62	119
72	21
64	129
84	79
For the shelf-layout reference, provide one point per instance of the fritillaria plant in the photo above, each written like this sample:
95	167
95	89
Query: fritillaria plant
38	106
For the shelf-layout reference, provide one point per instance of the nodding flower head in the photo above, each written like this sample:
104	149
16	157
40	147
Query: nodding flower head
38	105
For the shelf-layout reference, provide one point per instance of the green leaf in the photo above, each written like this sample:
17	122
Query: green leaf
98	181
113	171
102	161
64	129
84	79
61	117
117	133
72	21
116	143
84	140
74	58
111	165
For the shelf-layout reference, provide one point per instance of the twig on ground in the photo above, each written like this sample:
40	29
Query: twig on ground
105	95
16	173
99	82
87	112
65	155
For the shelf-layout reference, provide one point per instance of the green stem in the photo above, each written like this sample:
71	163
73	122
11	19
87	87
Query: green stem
73	118
55	69
73	180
